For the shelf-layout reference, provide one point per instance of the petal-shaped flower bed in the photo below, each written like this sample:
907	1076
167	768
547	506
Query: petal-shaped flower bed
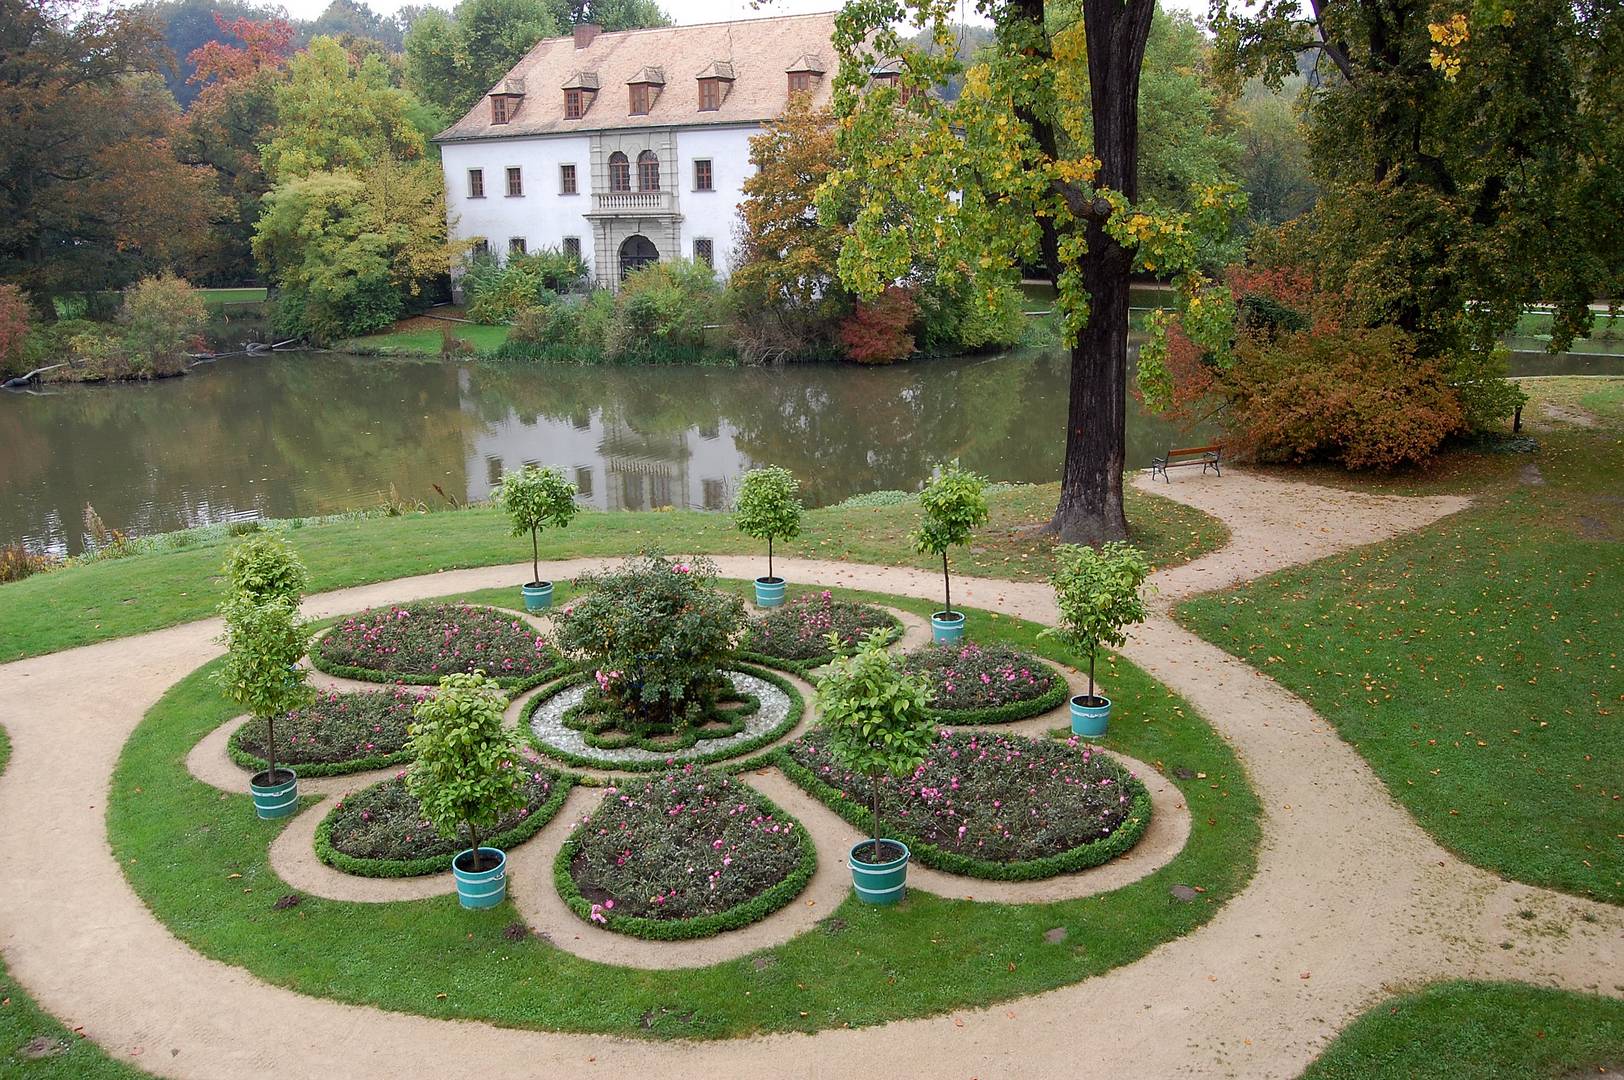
336	733
685	854
418	643
990	805
380	831
564	726
986	684
794	636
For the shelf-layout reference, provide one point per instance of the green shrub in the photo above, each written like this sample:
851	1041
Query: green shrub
466	770
954	318
264	641
264	567
661	312
767	507
655	632
535	498
1098	592
955	503
162	318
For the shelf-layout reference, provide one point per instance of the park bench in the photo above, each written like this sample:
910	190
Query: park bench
1204	456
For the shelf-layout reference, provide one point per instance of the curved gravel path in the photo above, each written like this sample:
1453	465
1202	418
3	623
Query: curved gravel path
1351	898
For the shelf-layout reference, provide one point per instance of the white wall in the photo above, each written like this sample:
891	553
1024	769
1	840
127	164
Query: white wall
541	215
713	213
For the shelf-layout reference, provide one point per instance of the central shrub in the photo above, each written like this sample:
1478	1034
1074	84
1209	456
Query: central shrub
655	633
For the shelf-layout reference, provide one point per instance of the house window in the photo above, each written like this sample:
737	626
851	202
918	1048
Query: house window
710	95
714	494
515	181
641	99
566	179
481	247
572	247
515	245
574	104
493	470
501	109
702	175
620	172
704	250
800	82
476	183
583	482
648	171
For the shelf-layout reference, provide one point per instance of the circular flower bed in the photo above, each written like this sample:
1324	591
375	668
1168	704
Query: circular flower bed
418	643
794	636
336	733
571	723
599	720
686	854
986	684
380	831
991	806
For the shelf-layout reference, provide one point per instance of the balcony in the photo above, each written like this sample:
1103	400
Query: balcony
633	203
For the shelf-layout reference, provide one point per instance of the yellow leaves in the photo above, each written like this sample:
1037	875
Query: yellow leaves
1448	37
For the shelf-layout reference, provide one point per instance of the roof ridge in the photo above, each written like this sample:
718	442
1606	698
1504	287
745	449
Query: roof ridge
698	25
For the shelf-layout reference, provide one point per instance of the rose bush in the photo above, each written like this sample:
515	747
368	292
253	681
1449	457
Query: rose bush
968	676
335	728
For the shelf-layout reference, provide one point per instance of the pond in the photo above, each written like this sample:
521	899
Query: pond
307	434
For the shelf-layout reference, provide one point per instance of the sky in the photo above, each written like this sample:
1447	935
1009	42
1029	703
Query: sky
694	11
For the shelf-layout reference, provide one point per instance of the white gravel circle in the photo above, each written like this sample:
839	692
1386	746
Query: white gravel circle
548	725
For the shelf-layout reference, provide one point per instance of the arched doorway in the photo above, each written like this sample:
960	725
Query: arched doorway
637	252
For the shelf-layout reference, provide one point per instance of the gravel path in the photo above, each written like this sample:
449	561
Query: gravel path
1351	898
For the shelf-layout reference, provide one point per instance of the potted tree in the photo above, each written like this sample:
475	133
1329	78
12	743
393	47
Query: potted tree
264	641
467	776
876	716
1098	592
767	508
954	504
534	499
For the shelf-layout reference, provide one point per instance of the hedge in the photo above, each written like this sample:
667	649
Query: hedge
1057	694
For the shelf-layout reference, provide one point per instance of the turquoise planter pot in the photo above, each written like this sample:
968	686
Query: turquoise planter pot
879	883
1089	721
273	801
483	888
770	591
947	629
538	596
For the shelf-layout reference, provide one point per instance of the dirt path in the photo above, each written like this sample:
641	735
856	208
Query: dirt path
1351	898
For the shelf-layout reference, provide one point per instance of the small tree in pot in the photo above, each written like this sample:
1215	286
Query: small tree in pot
768	508
466	773
1099	592
875	713
264	641
535	498
955	503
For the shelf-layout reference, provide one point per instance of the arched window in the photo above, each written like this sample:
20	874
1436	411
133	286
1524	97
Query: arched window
637	252
648	171
620	172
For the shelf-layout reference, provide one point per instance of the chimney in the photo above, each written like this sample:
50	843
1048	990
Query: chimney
585	33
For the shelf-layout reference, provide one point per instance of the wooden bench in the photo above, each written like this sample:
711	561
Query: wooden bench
1205	456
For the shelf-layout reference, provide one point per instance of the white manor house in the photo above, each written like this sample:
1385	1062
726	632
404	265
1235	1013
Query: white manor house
628	147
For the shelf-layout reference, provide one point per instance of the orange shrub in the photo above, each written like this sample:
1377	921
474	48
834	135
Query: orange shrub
14	323
878	331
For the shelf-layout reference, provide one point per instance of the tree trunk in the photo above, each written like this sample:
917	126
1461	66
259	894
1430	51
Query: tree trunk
947	589
535	558
769	558
874	782
1092	697
270	751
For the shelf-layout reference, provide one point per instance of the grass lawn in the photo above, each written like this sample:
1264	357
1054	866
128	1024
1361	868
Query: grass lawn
427	341
233	296
1475	664
113	598
22	1022
1478	1031
182	844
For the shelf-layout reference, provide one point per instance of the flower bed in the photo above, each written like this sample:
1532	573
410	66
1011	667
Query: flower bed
793	636
723	714
335	734
991	806
685	854
770	709
986	684
380	831
418	643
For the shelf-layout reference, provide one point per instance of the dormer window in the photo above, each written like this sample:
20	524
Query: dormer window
499	110
579	93
714	84
645	89
800	82
640	99
805	73
574	104
505	100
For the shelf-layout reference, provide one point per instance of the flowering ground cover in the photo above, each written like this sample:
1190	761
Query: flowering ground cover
336	733
688	853
380	831
986	684
794	636
418	643
991	805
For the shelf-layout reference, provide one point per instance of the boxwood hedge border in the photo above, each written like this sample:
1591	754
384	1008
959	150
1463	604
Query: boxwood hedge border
721	758
311	769
1081	857
758	907
1056	695
804	668
512	684
404	868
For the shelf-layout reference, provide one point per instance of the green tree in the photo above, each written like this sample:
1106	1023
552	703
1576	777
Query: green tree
535	498
1099	592
336	113
264	566
466	771
875	713
162	317
264	640
1008	176
610	14
955	503
1273	164
768	508
453	59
